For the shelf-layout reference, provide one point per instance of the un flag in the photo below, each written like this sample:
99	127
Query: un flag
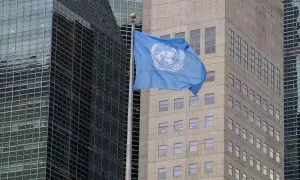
167	64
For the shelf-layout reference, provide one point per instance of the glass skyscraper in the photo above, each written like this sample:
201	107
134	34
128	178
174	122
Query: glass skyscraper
62	90
291	88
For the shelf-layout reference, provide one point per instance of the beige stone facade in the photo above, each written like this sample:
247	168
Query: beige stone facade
246	92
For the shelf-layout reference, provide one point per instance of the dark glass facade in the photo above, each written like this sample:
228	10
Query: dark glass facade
121	10
62	90
291	88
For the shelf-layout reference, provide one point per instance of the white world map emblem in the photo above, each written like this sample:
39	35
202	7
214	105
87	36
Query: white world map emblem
167	58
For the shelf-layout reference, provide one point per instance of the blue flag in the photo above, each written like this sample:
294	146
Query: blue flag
167	64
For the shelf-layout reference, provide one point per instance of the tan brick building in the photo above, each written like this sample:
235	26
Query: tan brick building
233	129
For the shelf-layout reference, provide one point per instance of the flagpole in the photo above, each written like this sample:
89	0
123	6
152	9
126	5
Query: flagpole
130	94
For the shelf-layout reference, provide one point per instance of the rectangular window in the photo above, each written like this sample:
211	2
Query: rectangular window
178	125
231	79
258	99
244	156
237	106
237	151
271	174
265	104
163	105
258	65
251	116
178	148
178	103
162	150
265	170
271	131
237	174
231	43
210	76
208	167
209	144
271	153
277	157
258	141
258	121
210	40
209	121
194	101
252	60
230	101
251	95
162	173
237	84
265	70
193	123
180	35
245	89
244	176
193	146
265	148
193	169
230	169
165	36
277	114
209	98
195	40
271	110
251	137
271	75
229	146
237	129
238	49
277	136
162	128
277	80
258	165
244	134
251	161
177	171
265	127
230	124
245	54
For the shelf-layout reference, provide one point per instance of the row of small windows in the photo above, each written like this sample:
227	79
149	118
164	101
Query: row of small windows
179	124
193	101
192	170
243	176
210	39
253	61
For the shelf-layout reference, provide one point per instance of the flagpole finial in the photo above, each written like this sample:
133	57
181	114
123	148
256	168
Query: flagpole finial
132	14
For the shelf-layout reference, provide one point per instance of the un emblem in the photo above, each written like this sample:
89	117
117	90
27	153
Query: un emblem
167	58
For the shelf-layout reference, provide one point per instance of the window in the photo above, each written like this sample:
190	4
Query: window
265	70
180	35
244	176
193	146
237	151
277	177
265	105
163	105
258	121
244	156
210	40
237	84
230	101
271	153
251	95
193	123
271	75
165	36
277	80
265	170
277	157
245	54
244	134
209	144
258	65
230	169
195	40
230	146
251	161
178	103
162	174
245	111
210	76
258	165
162	128
245	90
162	150
258	99
277	136
193	169
230	124
237	174
209	121
271	174
208	167
177	171
237	129
264	127
210	98
231	79
265	148
251	116
271	131
178	148
231	43
252	60
194	101
178	125
251	138
277	114
238	48
271	110
237	106
258	143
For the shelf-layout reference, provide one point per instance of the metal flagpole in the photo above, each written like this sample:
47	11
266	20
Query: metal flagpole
130	94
